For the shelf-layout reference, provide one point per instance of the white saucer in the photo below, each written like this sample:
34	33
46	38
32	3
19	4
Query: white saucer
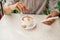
29	28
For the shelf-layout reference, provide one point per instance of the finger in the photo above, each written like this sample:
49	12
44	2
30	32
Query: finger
23	7
47	22
52	21
18	8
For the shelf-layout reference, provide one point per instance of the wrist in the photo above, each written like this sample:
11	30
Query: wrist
7	10
54	13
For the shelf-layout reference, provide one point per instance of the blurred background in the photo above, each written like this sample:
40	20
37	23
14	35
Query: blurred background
1	7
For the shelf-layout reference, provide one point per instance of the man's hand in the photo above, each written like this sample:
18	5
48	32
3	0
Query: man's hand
52	14
49	22
20	7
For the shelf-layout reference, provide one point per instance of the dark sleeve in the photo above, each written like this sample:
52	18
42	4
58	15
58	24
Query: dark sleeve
59	14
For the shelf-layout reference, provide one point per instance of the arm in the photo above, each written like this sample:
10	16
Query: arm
53	13
8	9
18	6
53	7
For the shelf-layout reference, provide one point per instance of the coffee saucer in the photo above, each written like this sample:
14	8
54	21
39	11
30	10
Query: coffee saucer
29	28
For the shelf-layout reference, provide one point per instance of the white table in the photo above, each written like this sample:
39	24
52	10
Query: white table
10	29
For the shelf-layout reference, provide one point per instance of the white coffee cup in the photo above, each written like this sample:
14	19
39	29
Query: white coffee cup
29	24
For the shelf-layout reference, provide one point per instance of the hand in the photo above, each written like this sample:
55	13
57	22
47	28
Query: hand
52	14
50	22
20	7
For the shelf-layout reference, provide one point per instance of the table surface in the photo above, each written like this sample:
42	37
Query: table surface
10	29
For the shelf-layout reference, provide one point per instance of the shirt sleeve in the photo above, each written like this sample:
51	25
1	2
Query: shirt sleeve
9	2
53	5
